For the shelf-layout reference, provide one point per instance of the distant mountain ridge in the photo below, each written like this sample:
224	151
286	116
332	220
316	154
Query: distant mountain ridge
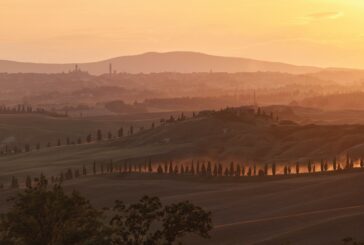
153	62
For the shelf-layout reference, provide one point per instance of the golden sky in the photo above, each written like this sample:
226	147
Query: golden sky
309	32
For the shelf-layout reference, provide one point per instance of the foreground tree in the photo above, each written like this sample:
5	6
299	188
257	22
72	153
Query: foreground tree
48	216
136	223
41	217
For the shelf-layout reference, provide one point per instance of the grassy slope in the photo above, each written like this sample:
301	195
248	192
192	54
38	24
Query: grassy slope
198	139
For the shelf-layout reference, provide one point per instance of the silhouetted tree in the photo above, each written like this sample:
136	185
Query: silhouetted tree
309	166
334	164
89	138
249	171
192	168
219	170
170	168
182	169
159	169
28	182
14	182
238	171
99	135
274	169
94	168
297	168
120	132
39	216
209	169
203	169
109	135
232	169
150	169
148	222
215	171
226	172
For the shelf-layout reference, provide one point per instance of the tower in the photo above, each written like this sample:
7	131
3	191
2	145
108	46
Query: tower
110	69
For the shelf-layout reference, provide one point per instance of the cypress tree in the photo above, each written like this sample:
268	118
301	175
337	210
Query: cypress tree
59	142
215	170
165	166
226	172
322	169
347	161
150	169
242	170
255	169
182	170
99	135
266	169
219	172
274	169
361	163
175	171
170	170
84	171
250	171
94	168
326	167
198	167
192	168
203	170
209	169
121	132
238	171
159	169
334	164
232	169
297	168
309	166
28	182
109	135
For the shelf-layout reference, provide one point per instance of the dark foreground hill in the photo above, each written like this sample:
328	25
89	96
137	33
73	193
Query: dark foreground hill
320	209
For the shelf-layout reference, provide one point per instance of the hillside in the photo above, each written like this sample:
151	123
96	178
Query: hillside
216	138
183	62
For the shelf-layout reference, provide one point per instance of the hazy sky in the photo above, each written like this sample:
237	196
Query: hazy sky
316	32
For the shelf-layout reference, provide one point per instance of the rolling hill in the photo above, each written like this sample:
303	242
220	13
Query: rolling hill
183	62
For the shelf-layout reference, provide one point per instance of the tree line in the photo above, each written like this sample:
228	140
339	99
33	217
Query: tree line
197	168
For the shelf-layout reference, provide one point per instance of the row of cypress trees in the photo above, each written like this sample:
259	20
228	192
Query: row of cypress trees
200	168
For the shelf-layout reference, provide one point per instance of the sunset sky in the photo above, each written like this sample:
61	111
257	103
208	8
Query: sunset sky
308	32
